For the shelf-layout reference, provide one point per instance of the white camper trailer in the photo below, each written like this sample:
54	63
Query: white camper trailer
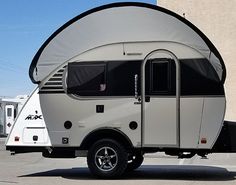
122	80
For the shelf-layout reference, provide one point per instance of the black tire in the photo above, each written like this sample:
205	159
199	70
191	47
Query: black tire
107	159
135	162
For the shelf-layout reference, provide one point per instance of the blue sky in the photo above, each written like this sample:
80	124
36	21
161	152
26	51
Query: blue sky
24	26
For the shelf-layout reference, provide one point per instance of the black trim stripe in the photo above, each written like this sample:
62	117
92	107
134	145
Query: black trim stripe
51	92
113	5
53	83
61	71
51	87
36	127
55	79
58	75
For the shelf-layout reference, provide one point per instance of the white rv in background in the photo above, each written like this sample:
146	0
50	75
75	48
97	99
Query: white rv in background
10	117
122	80
9	108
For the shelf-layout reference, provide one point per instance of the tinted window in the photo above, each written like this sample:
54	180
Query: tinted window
121	77
198	77
160	77
116	78
86	78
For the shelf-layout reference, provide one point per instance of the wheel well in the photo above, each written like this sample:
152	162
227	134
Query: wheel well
110	133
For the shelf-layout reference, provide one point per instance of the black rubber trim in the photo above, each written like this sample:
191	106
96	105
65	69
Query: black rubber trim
122	4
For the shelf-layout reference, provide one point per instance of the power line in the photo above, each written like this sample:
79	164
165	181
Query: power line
11	66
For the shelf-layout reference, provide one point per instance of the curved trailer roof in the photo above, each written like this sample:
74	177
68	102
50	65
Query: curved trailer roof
118	23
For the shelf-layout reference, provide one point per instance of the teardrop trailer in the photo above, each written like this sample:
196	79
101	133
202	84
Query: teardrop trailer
122	80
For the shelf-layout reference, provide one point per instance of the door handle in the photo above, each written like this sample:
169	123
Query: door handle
138	102
147	99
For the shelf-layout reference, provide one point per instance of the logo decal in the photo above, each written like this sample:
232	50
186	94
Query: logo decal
34	117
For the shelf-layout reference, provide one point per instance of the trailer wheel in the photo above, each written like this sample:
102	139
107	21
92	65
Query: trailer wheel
107	159
135	162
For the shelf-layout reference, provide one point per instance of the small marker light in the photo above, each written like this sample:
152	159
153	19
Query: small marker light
203	140
17	138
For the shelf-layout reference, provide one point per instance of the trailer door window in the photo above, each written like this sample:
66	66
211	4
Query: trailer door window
86	79
160	77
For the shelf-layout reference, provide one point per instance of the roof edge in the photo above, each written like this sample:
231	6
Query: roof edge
122	4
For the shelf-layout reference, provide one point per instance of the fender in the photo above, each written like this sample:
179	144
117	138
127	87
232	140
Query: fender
106	132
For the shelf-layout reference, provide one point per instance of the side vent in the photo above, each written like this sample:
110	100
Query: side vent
54	84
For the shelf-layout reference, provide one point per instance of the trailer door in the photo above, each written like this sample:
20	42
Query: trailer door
9	115
160	107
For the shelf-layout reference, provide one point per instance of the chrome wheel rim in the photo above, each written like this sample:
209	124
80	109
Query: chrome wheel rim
106	159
